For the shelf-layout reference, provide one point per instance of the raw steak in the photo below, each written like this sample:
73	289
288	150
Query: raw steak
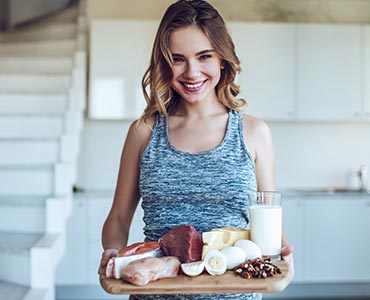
184	242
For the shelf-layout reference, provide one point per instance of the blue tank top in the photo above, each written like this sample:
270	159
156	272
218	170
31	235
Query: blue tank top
206	189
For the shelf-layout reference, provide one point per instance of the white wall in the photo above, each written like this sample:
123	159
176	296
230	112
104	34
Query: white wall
101	146
307	154
319	154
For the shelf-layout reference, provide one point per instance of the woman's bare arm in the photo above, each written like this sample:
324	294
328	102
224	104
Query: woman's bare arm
117	225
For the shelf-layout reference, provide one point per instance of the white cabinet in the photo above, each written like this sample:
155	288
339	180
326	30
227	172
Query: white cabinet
304	72
293	227
83	252
266	52
367	71
336	239
330	237
73	267
119	55
329	72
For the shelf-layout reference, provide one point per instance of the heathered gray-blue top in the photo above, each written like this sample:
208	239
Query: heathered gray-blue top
206	189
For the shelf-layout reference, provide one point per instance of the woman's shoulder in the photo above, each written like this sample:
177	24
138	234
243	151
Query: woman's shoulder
256	133
140	131
254	125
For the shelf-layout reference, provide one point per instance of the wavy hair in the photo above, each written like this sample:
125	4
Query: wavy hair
156	82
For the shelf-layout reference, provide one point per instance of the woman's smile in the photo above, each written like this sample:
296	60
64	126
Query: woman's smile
194	87
196	65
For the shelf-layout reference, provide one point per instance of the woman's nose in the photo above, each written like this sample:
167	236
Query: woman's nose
192	70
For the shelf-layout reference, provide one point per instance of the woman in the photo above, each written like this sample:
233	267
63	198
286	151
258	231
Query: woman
192	156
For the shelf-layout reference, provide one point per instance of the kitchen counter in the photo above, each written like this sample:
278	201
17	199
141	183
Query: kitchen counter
326	193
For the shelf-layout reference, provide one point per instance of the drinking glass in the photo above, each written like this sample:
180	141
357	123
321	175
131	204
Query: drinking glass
265	216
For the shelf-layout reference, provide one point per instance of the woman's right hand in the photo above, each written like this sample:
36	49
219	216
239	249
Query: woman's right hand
106	256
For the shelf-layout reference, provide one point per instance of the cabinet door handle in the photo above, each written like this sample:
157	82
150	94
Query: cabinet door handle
357	114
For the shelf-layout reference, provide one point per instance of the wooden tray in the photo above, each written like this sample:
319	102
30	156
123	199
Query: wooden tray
203	284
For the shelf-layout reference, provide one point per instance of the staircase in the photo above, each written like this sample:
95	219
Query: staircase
42	103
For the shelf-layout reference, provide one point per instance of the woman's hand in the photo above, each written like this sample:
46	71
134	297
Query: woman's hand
287	255
106	256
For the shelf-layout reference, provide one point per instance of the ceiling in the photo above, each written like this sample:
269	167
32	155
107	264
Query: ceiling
318	11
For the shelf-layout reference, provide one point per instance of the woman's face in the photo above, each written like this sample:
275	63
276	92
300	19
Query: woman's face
197	66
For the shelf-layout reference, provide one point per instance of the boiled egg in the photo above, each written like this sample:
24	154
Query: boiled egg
251	249
215	262
234	256
193	269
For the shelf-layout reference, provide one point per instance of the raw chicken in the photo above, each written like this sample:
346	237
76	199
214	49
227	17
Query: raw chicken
142	271
129	254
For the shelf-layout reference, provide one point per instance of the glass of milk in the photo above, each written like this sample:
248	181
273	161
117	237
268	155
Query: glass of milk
265	214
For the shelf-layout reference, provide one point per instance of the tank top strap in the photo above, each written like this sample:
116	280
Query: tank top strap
234	137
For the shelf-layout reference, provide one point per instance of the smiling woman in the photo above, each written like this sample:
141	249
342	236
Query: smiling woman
193	156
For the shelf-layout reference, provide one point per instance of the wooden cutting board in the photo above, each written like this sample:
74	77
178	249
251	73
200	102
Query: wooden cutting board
203	284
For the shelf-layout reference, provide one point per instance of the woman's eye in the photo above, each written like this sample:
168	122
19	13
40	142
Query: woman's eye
177	59
205	56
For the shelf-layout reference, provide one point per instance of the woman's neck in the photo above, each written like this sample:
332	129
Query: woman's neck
200	109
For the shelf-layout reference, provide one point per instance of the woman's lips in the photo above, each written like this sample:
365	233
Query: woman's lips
193	87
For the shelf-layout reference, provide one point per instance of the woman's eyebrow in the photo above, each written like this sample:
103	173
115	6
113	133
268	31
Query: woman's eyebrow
204	52
196	54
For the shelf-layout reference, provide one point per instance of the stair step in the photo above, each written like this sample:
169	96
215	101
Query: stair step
33	103
43	151
34	65
41	180
46	151
34	83
12	291
68	15
31	126
37	213
39	48
18	242
49	32
32	254
30	210
27	180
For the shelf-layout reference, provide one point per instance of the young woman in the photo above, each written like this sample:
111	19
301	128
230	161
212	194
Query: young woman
192	156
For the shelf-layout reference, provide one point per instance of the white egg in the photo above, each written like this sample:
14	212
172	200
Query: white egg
215	262
234	256
193	268
251	249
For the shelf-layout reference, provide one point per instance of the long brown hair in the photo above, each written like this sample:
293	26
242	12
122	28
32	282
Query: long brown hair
156	82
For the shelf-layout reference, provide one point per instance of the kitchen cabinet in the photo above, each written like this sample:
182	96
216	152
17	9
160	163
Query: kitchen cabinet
329	235
329	72
119	55
290	72
83	252
293	227
267	56
336	239
367	72
73	266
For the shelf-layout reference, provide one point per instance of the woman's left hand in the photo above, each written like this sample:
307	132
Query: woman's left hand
287	255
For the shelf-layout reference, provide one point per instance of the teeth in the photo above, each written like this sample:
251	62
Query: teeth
193	86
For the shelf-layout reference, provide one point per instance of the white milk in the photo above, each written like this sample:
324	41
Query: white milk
266	228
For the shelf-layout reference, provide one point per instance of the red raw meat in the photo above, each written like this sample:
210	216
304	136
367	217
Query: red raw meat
138	248
184	242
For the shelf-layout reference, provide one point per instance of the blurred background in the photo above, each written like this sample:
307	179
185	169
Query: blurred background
305	70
